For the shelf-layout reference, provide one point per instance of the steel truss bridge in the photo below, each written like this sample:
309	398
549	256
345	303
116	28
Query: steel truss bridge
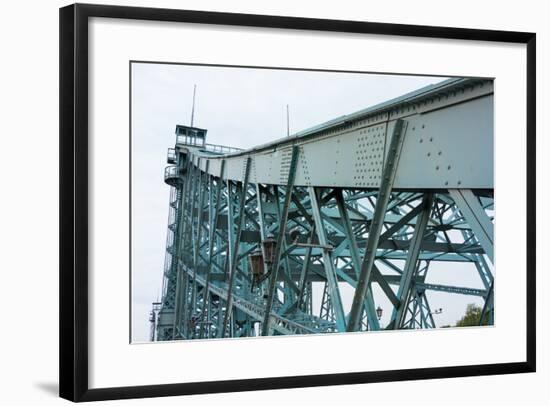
372	200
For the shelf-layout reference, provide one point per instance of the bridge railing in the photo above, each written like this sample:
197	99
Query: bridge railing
224	149
171	175
171	156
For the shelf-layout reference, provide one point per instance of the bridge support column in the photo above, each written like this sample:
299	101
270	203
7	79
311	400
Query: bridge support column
280	237
214	213
386	185
328	262
404	293
234	259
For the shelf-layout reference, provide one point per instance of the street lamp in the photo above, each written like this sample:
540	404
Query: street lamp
437	311
256	263
256	260
268	246
294	235
379	312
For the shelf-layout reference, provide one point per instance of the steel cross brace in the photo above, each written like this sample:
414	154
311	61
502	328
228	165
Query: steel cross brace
477	218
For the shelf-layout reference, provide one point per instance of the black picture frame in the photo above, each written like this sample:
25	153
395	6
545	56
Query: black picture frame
73	279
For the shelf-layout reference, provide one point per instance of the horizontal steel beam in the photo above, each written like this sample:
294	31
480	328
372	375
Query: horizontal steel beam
443	133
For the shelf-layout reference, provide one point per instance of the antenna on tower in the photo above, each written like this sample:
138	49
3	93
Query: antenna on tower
193	108
287	122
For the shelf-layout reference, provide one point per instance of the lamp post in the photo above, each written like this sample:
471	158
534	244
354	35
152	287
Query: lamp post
256	260
379	312
294	235
268	246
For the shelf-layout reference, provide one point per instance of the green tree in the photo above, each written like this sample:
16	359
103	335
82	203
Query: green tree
472	316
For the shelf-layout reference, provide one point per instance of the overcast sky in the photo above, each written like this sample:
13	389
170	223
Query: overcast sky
241	107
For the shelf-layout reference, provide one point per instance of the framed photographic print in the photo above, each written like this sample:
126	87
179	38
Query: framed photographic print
258	202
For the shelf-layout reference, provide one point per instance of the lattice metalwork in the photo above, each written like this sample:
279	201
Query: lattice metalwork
255	235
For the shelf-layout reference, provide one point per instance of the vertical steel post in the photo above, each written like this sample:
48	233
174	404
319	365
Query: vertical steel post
488	306
177	244
328	262
287	292
198	232
261	222
355	257
303	274
266	325
386	184
211	239
234	259
411	264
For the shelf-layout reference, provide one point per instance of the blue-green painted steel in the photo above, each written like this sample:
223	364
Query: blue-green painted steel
371	199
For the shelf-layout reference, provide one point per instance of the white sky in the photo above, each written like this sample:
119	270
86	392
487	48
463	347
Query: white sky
241	107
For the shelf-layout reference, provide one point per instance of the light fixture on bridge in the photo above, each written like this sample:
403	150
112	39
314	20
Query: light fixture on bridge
294	235
379	312
256	261
268	246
